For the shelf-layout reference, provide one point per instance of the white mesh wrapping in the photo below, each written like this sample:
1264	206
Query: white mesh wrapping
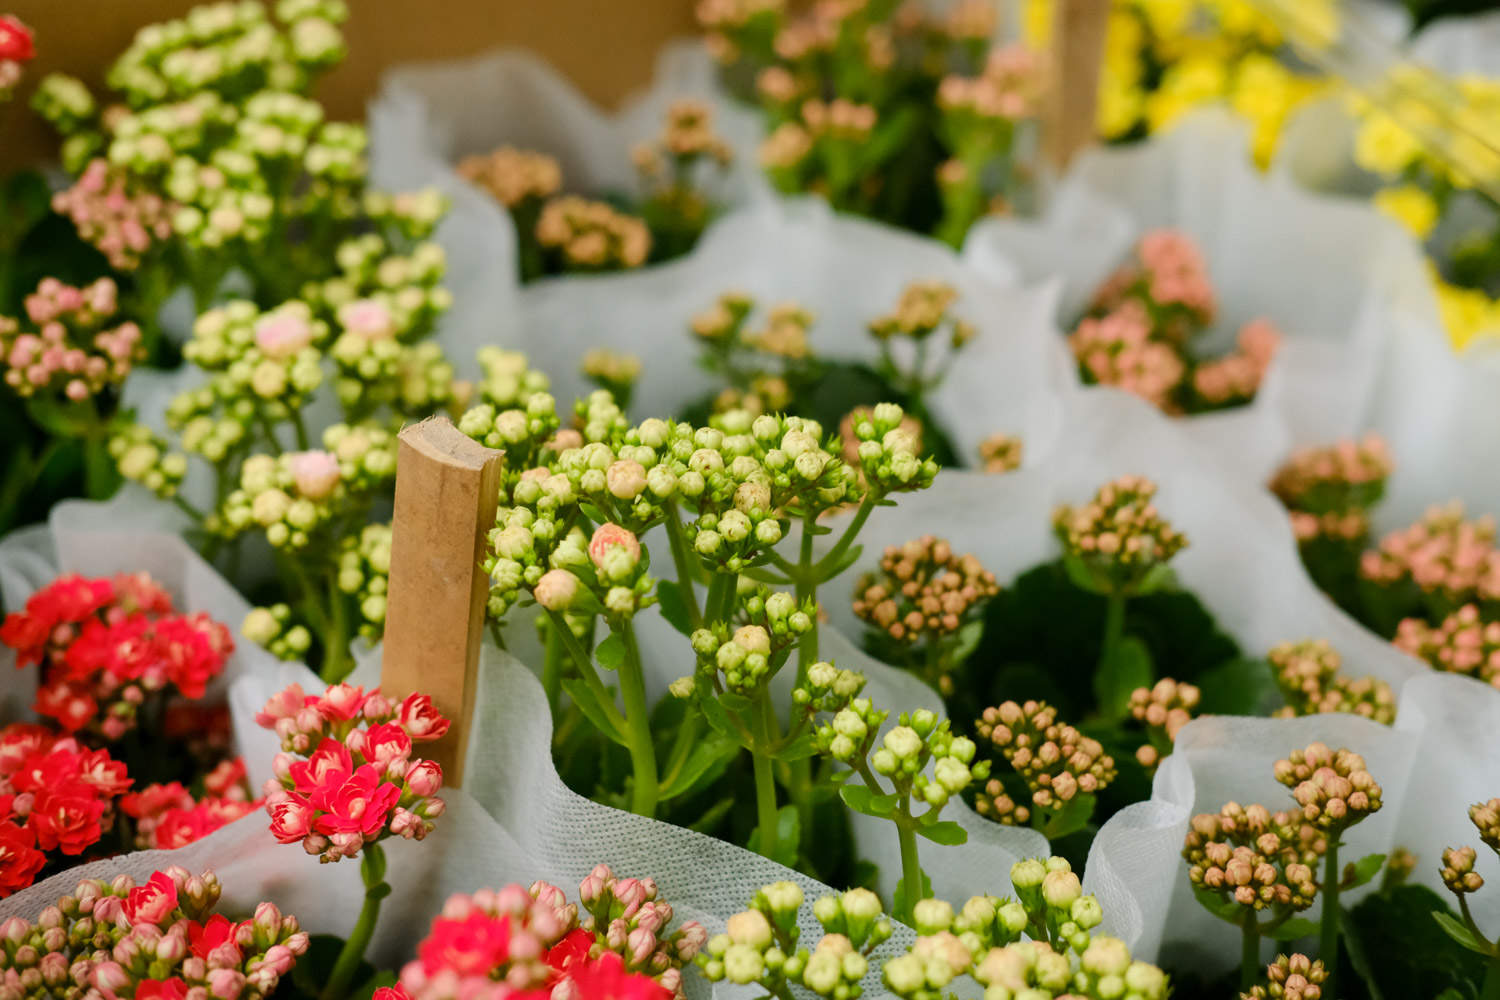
1327	272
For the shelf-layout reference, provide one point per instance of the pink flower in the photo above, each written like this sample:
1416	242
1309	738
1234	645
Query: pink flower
341	702
316	473
385	743
425	778
151	903
611	536
471	946
291	820
361	804
421	719
326	769
283	705
556	590
283	334
369	319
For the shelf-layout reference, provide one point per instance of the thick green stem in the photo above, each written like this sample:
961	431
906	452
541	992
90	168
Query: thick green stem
1491	988
337	663
1105	683
911	866
638	727
341	979
765	803
825	566
591	679
683	560
718	606
1249	952
1328	937
552	666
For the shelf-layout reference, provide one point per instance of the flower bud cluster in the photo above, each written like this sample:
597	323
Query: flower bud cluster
158	939
613	371
1119	539
1055	761
1164	708
364	571
924	591
1462	643
627	917
1170	276
672	165
1332	787
1450	561
292	496
1458	872
122	223
513	177
65	346
168	816
1291	977
346	776
830	689
1000	453
586	236
760	365
1309	676
924	309
889	457
380	294
143	456
1330	490
1252	858
1116	348
272	359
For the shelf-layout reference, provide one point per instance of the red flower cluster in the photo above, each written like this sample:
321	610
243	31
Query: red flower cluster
529	944
168	816
360	783
56	798
105	646
15	40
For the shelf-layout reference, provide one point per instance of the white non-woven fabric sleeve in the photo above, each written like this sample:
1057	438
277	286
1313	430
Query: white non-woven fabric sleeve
429	116
1241	562
1325	271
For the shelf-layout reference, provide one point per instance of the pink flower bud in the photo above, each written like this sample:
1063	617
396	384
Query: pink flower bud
316	473
424	778
225	984
369	319
556	590
610	536
282	334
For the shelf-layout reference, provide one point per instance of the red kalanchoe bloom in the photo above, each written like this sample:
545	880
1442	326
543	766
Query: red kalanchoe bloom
167	989
20	861
153	902
605	978
397	992
361	804
15	40
470	946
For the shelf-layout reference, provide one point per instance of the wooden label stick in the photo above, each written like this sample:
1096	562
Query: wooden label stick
1078	28
447	488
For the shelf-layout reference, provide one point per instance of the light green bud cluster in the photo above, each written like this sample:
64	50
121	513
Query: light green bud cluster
275	629
888	453
828	689
143	457
364	569
850	734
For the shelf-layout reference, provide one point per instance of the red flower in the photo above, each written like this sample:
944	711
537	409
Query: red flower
20	861
161	989
605	978
328	767
397	992
19	741
204	938
473	946
151	903
571	951
101	772
66	822
385	743
419	718
180	827
70	706
193	651
229	775
154	800
291	820
342	702
362	804
68	599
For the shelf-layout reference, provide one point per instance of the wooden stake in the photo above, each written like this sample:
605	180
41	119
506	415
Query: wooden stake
1078	28
447	488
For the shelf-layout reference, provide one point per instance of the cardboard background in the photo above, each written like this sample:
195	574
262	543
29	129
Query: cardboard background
606	48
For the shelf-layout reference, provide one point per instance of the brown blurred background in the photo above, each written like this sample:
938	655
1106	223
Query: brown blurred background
607	47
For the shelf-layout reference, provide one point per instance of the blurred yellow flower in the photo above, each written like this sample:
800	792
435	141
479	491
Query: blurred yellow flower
1411	206
1467	313
1384	146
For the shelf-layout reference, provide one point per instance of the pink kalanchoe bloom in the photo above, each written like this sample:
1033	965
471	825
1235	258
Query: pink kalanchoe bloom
315	473
612	536
419	717
369	319
153	902
16	43
283	334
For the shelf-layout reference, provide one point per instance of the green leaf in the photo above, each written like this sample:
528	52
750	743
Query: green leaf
889	137
906	899
1158	577
673	607
1238	687
1403	949
717	715
862	800
712	816
611	652
1460	933
947	833
735	702
849	558
803	746
968	641
1082	576
1128	667
708	753
583	696
1222	908
1073	816
1361	871
1297	927
788	837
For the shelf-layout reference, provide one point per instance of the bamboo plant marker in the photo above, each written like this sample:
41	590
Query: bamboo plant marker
1078	28
447	489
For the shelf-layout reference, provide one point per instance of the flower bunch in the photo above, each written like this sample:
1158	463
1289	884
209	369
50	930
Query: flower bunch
357	782
922	599
1118	540
157	939
673	168
16	50
1311	680
1437	565
516	178
765	369
57	799
68	347
1000	452
1437	173
123	224
168	816
1462	643
923	310
581	235
1164	708
1060	769
1291	977
904	116
1036	945
107	648
1328	492
1138	335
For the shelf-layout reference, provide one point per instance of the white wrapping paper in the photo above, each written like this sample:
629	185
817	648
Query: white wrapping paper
1325	271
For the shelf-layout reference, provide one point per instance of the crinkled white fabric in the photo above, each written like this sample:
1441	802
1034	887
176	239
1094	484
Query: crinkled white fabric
429	116
1241	561
1327	272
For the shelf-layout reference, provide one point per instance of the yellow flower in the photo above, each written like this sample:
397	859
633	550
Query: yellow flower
1467	313
1184	86
1120	107
1315	26
1168	18
1384	146
1411	206
1241	19
1036	23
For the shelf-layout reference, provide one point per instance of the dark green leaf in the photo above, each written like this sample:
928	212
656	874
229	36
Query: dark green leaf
1460	933
1222	908
1405	949
673	608
611	652
1297	927
708	753
712	816
1073	816
379	980
804	745
862	800
735	702
1238	687
1158	577
1128	667
1362	871
583	697
948	833
788	837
